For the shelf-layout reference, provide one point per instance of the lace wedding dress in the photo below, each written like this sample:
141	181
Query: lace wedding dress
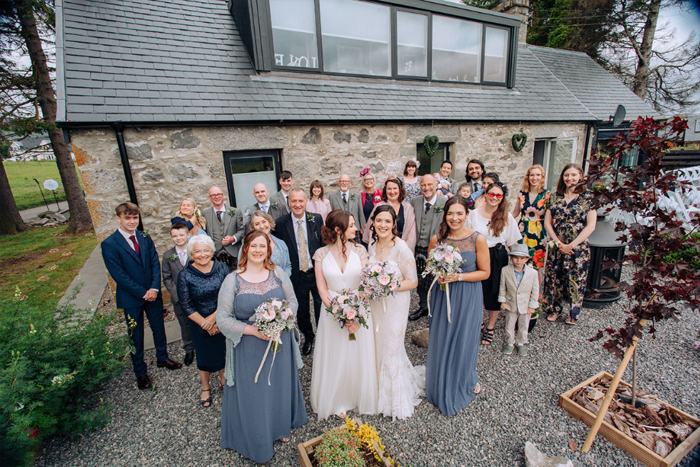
400	383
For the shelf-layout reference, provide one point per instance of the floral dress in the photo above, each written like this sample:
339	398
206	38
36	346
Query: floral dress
531	225
412	189
565	276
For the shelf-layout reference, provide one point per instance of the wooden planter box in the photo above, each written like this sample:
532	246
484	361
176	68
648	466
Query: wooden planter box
308	447
621	440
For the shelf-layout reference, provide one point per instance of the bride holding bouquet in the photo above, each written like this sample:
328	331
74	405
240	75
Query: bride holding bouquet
387	281
344	371
453	347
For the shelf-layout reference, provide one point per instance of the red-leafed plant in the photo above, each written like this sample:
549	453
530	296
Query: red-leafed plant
657	287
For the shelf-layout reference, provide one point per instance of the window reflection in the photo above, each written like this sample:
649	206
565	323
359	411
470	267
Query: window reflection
456	49
294	33
412	44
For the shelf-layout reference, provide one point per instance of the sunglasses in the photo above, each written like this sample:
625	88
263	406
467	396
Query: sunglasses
494	195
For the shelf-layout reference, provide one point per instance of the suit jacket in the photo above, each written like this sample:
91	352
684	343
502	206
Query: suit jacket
432	218
409	226
284	230
518	298
233	225
134	273
276	210
353	206
281	202
170	270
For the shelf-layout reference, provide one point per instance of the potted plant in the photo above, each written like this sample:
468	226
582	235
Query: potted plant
656	289
351	445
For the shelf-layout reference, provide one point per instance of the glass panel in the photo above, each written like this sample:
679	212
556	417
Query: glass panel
456	49
412	44
495	55
561	153
356	37
246	172
294	33
430	165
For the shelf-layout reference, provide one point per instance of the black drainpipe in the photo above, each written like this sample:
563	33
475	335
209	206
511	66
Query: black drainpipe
119	131
585	146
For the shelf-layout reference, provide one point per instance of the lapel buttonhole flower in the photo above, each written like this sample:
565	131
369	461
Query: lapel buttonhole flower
274	205
172	258
310	217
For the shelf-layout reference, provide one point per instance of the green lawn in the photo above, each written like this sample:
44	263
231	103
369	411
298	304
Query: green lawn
25	190
42	262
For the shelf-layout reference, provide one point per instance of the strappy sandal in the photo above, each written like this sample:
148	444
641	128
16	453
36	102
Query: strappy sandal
571	321
487	336
553	317
286	440
206	402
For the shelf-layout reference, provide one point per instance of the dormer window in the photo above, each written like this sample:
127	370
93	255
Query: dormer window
382	38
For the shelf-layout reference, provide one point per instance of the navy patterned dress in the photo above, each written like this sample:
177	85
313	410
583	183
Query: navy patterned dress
199	292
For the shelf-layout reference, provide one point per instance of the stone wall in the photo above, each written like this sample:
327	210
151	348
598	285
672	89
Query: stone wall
169	164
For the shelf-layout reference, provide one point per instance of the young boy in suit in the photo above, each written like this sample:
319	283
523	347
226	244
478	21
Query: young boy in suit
132	261
174	261
518	294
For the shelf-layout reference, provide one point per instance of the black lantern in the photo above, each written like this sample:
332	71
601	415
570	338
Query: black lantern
602	287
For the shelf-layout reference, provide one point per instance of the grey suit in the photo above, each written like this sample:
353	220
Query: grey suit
427	225
353	206
276	210
231	225
170	269
281	201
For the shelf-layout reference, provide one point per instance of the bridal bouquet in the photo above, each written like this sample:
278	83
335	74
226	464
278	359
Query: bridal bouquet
443	260
272	317
348	307
379	280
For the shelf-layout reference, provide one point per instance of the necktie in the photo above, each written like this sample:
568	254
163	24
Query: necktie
136	244
219	214
345	198
301	241
183	257
264	208
427	207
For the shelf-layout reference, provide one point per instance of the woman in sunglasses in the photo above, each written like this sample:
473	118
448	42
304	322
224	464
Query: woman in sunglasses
494	222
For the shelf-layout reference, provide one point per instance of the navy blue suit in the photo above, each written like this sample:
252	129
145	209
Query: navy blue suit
135	274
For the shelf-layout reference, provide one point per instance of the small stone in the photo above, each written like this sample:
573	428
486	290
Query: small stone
420	338
535	458
369	154
139	151
363	137
312	137
341	137
184	140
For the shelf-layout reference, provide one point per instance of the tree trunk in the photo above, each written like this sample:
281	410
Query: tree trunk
641	74
80	220
10	220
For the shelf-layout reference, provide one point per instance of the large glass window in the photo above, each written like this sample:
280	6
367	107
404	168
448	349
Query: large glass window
495	55
430	165
246	168
456	49
411	44
294	33
356	37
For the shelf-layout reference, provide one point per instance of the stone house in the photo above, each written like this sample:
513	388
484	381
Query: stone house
162	99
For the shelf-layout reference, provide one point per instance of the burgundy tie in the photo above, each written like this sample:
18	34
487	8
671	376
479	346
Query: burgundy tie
136	244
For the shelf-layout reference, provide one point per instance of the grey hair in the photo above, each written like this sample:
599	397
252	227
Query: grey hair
201	239
265	216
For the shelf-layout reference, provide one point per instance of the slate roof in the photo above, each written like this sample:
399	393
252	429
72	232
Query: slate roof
141	61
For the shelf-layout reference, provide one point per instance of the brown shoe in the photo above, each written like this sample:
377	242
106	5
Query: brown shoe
144	382
169	364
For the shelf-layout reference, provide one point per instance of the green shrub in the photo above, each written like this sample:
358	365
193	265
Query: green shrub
50	363
690	253
340	448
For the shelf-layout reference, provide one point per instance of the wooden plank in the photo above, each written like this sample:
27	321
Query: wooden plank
621	440
307	448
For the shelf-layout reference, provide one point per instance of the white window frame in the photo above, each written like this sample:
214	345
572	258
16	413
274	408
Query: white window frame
547	159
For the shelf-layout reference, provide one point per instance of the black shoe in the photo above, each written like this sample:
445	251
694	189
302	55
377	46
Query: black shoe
169	364
308	345
144	382
189	357
416	315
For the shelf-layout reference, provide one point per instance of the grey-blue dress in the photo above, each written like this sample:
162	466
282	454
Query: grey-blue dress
199	292
254	415
453	348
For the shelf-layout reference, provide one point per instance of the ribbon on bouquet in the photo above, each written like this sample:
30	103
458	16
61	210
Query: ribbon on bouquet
447	292
277	341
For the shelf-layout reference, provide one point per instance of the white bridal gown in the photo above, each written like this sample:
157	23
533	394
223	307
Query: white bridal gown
344	372
400	383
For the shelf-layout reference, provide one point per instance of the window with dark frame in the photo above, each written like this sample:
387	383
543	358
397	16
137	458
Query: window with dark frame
431	165
246	168
365	38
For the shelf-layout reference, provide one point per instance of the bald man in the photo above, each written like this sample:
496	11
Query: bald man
349	201
224	226
262	195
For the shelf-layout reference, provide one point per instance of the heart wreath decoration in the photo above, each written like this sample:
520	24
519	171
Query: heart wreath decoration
518	141
431	144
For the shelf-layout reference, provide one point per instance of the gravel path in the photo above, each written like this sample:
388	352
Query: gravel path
518	403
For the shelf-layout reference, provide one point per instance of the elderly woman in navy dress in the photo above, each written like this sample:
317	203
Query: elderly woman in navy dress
255	415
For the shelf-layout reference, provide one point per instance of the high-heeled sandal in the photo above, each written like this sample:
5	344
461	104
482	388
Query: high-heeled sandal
487	336
206	402
553	317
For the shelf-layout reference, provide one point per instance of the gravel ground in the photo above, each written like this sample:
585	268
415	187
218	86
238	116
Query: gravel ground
518	403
